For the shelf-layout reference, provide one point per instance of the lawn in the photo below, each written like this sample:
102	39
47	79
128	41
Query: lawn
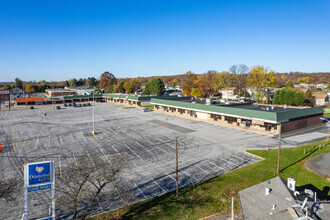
149	106
213	196
128	107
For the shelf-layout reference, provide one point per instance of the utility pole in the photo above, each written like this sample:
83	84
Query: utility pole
177	166
93	114
279	149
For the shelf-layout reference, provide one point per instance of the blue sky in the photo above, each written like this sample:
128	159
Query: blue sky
59	40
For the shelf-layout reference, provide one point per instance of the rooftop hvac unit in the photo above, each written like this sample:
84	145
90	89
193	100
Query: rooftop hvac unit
267	108
285	106
291	184
273	107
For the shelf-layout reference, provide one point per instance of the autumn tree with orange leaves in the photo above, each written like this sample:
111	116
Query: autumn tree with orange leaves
107	80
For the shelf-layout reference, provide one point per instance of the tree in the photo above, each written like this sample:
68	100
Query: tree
154	87
289	97
121	87
107	79
92	175
91	81
304	80
67	84
188	82
81	82
300	98
131	85
18	83
197	93
260	78
7	87
74	82
289	84
9	187
29	88
174	82
220	80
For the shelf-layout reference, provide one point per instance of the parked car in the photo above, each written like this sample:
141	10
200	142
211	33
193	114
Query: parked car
65	105
70	104
31	107
58	107
79	105
84	105
88	104
146	110
74	104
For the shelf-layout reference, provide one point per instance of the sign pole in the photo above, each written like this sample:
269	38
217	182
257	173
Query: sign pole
176	168
25	193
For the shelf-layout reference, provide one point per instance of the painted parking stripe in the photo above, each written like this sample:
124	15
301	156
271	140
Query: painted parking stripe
144	147
217	165
159	185
132	151
140	191
112	145
105	156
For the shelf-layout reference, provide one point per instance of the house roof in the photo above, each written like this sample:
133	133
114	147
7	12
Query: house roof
320	96
256	205
301	90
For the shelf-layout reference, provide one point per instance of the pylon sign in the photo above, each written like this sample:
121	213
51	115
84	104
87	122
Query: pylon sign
39	176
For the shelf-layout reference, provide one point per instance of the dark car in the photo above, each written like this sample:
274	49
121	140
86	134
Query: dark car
88	104
65	105
58	107
70	104
31	107
84	105
146	110
79	105
74	104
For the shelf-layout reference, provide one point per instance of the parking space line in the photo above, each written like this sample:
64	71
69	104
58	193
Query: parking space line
72	137
216	165
105	156
227	161
133	151
120	196
159	185
36	144
61	139
189	175
144	147
203	169
75	159
140	191
174	179
83	136
118	152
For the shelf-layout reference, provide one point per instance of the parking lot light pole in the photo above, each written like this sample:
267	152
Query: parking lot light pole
93	114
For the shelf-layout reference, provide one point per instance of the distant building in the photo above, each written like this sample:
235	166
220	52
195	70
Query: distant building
321	85
228	93
60	92
303	85
321	99
16	91
303	90
30	101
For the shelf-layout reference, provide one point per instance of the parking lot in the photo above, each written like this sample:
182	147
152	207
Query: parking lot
146	138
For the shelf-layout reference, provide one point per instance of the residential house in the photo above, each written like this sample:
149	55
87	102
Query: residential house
321	99
228	93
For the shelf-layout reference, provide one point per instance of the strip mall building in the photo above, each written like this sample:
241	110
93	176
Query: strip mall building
248	116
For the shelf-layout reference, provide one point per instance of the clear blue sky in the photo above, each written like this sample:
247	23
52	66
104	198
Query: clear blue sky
59	40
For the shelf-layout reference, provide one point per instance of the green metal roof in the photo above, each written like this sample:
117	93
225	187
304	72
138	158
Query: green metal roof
265	115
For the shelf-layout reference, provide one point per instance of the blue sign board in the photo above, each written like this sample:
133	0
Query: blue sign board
39	188
39	173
